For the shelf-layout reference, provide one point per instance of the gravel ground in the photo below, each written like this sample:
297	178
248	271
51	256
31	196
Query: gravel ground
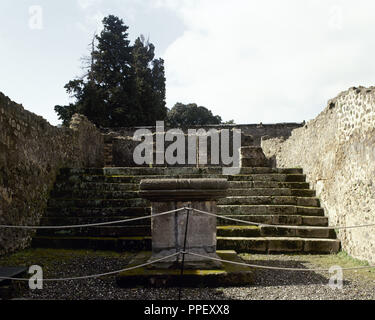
269	284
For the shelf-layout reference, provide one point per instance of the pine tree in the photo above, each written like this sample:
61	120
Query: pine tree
124	85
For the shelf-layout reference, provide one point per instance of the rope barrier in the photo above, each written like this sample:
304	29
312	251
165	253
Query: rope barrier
92	224
283	226
183	252
192	209
193	254
100	274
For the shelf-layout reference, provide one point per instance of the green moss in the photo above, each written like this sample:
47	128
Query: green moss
47	258
238	227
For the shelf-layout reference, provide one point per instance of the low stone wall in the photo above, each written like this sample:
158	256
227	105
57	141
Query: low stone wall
31	153
257	131
122	144
337	152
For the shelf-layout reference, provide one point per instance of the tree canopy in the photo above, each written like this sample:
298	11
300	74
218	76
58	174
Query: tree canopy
124	84
182	115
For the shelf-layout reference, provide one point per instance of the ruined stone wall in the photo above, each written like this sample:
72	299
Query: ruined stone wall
337	152
256	130
122	144
31	153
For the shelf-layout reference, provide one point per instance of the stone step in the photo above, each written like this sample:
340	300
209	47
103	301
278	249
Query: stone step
74	179
239	244
258	192
270	192
132	244
64	186
292	220
107	193
266	231
268	184
238	231
97	203
72	220
274	200
275	177
269	209
93	194
278	245
102	231
130	185
172	171
322	233
269	177
98	212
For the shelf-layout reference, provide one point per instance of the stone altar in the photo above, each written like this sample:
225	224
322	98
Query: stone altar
168	231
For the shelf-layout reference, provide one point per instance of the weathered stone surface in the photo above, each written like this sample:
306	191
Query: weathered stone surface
79	200
229	275
169	231
253	157
336	151
157	190
31	153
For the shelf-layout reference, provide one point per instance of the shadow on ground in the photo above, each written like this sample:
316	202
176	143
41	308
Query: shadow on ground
268	277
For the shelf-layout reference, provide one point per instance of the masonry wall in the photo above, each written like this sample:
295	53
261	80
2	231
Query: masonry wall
256	130
31	153
122	144
337	152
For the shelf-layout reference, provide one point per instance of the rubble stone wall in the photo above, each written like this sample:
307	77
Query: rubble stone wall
337	152
31	153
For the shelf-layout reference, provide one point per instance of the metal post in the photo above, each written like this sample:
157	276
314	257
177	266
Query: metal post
183	254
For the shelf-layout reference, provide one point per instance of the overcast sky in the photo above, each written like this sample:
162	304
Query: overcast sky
252	61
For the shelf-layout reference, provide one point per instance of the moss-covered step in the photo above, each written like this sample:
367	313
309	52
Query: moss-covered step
278	244
65	186
233	192
97	212
272	200
93	194
269	177
269	209
230	275
71	221
238	231
101	231
94	243
294	220
267	184
171	170
134	178
268	231
97	203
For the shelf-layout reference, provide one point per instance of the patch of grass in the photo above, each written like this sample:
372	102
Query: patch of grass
49	257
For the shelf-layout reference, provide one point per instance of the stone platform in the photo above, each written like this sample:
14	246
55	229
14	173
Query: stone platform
229	275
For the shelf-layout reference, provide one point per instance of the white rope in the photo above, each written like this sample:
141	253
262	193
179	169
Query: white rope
193	254
92	224
284	226
100	274
273	268
192	209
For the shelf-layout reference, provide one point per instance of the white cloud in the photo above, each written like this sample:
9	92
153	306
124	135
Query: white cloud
85	4
269	61
92	23
93	16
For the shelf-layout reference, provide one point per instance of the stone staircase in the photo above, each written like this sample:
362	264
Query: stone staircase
265	195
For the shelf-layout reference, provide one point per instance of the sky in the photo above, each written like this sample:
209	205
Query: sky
251	61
